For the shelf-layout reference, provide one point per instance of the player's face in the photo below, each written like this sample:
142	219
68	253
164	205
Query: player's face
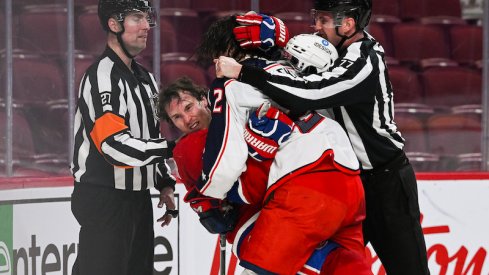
188	113
325	25
136	30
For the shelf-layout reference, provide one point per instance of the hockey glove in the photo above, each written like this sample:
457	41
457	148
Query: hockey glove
260	31
214	214
266	130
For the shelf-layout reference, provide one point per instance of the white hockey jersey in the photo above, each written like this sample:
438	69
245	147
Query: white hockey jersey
226	151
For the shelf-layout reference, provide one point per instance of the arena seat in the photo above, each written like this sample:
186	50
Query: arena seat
451	86
469	162
187	26
406	85
36	80
89	35
416	9
454	134
296	22
38	2
86	2
424	162
413	130
278	6
82	62
182	4
175	65
466	43
415	41
42	29
386	8
168	39
22	142
211	6
379	34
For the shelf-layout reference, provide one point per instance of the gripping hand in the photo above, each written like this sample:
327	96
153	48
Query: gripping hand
266	130
260	31
214	214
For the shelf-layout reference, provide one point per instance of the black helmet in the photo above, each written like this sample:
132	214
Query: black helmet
360	10
119	8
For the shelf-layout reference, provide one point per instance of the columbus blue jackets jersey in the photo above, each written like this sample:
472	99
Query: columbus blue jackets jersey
226	151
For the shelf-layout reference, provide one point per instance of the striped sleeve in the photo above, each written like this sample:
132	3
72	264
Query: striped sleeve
348	83
225	151
120	136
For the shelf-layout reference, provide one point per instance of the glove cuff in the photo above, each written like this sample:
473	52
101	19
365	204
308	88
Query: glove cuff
282	34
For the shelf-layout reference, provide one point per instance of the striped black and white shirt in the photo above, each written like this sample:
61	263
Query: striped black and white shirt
117	138
357	88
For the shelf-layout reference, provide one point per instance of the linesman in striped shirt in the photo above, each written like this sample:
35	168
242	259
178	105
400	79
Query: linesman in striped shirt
358	89
119	153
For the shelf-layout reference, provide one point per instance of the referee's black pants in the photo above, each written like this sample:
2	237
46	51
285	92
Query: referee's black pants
392	224
116	235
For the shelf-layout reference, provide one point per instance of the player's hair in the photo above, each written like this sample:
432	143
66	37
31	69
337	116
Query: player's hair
183	84
219	40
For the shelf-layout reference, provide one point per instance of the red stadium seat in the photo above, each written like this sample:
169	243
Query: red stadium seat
451	86
89	35
406	85
182	4
469	162
454	134
386	8
414	42
413	130
466	43
175	65
296	22
82	62
443	21
187	26
379	34
36	80
86	2
168	39
43	29
38	2
424	162
278	6
415	9
22	142
210	6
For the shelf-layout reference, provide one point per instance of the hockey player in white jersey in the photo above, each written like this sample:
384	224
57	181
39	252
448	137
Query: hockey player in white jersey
312	187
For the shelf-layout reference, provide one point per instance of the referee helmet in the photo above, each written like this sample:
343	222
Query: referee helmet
360	10
119	8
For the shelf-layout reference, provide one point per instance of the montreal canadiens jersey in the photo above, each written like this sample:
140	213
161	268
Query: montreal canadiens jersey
226	153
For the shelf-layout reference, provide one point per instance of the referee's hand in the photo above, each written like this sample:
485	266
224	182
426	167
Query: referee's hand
168	199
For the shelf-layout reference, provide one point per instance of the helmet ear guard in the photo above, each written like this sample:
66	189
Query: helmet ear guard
309	50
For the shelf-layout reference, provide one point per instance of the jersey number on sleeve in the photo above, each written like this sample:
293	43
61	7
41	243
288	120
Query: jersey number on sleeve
218	94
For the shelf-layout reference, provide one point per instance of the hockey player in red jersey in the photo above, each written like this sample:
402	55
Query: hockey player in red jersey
315	197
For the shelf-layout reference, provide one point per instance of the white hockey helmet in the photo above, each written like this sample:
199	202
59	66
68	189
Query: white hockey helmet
306	50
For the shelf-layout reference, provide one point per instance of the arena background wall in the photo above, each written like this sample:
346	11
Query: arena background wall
39	235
